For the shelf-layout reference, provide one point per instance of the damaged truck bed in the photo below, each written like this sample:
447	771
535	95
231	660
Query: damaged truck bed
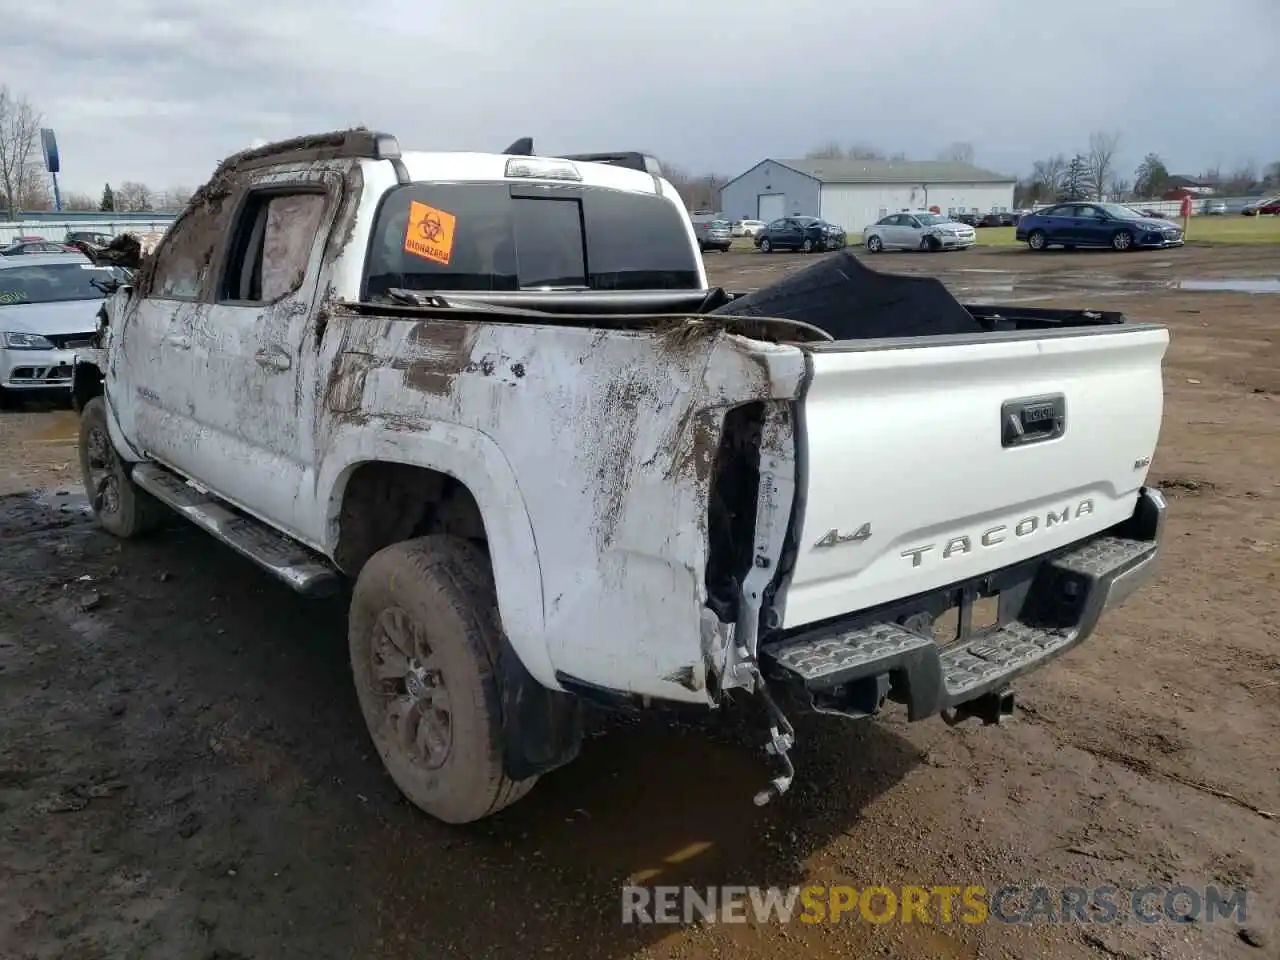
568	469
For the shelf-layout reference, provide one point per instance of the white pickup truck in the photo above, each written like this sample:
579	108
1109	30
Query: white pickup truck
496	392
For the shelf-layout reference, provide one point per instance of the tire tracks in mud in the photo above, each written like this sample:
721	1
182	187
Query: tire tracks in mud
1140	766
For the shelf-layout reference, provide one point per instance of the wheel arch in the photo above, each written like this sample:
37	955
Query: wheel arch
475	463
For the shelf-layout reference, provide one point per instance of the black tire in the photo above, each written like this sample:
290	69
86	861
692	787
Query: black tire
1122	241
436	594
1038	241
874	244
933	244
7	400
120	506
766	246
807	245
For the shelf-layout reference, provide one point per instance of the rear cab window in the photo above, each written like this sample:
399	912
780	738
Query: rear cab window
499	236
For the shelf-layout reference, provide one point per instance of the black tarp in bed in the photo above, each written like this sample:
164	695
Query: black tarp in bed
850	301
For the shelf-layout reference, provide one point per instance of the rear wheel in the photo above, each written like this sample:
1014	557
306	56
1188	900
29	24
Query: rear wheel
1037	241
424	637
874	244
120	505
1123	240
766	246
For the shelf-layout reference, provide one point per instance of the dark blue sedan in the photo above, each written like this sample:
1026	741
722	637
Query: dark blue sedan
1096	225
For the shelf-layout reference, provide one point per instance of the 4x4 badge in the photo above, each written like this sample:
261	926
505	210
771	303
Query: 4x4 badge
834	536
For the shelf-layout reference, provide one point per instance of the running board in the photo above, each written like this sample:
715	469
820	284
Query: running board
306	572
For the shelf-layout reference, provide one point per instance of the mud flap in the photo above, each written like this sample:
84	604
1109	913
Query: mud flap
541	728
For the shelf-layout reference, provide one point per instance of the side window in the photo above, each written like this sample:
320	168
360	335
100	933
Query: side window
184	256
911	222
776	225
271	246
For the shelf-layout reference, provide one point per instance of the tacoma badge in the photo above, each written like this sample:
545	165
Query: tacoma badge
834	536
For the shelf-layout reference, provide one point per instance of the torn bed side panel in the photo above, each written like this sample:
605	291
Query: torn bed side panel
610	436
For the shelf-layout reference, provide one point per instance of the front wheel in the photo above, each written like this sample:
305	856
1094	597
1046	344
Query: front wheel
874	244
425	638
1037	240
1123	240
807	246
120	506
766	246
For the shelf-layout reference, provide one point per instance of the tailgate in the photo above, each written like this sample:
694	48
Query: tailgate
929	461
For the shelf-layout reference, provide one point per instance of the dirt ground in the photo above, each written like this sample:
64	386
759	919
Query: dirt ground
184	771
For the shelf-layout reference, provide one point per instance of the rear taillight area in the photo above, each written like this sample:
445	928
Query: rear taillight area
735	491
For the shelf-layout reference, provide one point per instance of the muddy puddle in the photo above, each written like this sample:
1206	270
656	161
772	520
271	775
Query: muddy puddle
46	509
1266	285
983	284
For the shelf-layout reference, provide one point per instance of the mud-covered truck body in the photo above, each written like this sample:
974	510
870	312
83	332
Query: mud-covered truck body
496	392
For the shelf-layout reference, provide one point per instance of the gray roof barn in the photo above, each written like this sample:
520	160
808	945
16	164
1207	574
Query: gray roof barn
893	171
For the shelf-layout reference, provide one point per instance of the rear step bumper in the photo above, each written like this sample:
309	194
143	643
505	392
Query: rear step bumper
1066	596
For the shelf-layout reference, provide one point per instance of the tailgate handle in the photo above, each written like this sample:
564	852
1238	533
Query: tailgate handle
1032	420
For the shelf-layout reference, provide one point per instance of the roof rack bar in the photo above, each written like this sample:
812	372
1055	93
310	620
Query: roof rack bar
356	143
631	159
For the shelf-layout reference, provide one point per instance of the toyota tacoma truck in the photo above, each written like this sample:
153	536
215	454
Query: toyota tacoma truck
495	397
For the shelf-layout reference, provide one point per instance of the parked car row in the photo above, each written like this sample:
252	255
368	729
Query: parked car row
26	246
48	310
1111	225
918	230
805	234
712	234
87	242
1269	206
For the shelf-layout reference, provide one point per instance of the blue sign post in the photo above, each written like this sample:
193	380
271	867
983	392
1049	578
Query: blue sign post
52	162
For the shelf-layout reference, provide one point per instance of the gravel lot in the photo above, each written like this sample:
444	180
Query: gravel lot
184	771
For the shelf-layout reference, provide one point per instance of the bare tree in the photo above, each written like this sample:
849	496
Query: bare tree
1120	189
864	151
1047	176
174	199
19	132
133	196
831	150
37	191
958	152
78	201
1101	160
699	191
1241	179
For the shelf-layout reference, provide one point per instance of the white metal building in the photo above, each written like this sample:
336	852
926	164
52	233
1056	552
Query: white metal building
854	193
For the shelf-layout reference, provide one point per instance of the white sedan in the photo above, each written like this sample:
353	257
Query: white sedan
917	230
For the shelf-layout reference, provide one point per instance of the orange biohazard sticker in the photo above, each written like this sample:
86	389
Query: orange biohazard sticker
430	233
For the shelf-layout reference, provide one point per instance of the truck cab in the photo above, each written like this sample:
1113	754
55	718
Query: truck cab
495	393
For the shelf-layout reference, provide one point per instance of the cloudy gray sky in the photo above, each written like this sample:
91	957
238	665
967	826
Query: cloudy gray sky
159	91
